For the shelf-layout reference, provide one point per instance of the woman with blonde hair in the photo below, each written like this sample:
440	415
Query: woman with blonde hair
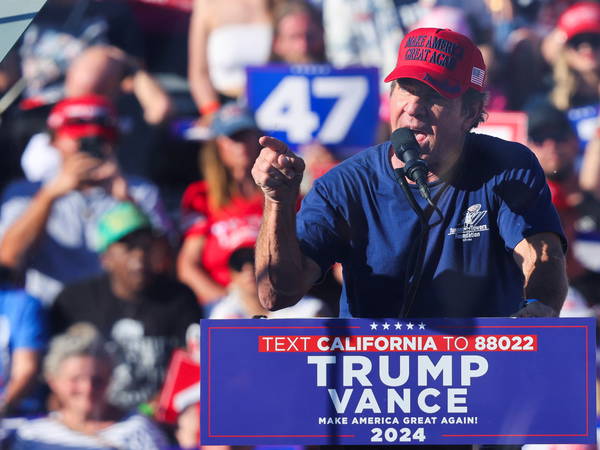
78	370
222	212
576	64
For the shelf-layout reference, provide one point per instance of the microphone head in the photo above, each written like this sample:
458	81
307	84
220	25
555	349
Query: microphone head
403	139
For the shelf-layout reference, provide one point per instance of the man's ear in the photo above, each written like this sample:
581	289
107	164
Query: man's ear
470	113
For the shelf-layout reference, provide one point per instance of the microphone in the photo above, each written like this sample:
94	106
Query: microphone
407	150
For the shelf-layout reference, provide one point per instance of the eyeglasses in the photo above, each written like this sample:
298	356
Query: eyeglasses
591	39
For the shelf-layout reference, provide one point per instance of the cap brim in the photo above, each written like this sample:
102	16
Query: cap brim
236	127
451	90
81	131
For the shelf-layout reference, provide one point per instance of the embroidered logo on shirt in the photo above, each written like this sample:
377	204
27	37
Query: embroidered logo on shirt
469	227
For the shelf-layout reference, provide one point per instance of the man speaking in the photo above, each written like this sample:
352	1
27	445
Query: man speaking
439	222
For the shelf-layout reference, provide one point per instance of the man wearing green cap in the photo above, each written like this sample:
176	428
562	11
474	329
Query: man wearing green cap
145	314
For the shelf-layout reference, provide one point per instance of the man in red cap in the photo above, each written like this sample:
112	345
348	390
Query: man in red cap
48	227
492	246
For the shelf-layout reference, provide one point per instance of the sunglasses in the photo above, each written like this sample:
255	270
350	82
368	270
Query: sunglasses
591	39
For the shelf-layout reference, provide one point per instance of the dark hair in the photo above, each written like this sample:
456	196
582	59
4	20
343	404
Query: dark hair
475	99
241	257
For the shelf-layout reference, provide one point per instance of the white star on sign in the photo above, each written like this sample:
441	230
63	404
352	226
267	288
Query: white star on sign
421	326
398	326
409	326
373	326
386	326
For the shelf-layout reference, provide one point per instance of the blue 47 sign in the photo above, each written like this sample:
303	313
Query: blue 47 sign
430	381
303	103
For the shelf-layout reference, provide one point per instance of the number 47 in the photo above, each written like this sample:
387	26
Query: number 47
287	108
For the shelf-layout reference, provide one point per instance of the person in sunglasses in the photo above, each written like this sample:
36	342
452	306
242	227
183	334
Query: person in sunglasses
576	68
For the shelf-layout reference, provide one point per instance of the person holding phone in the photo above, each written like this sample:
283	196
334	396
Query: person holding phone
48	228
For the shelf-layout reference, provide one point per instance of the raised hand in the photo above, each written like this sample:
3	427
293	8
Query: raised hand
75	172
278	171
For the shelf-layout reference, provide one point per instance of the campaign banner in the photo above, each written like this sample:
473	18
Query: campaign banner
584	120
391	381
301	104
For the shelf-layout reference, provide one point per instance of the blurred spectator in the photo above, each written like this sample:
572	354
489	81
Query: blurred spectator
298	34
577	66
61	31
188	427
241	301
555	144
224	38
78	369
22	340
223	212
367	33
109	72
145	315
48	227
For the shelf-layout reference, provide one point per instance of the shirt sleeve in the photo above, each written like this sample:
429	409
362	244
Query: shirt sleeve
30	332
321	229
147	197
526	207
14	203
194	210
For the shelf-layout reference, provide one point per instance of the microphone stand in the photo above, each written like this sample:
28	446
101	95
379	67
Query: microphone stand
417	247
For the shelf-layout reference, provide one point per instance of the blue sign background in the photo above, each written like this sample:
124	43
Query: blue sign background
262	81
249	397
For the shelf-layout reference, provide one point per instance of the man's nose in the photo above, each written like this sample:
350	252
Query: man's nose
414	106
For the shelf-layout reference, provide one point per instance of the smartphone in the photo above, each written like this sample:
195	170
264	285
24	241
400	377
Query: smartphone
93	146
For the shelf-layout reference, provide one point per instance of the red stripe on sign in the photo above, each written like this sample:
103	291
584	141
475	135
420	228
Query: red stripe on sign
398	343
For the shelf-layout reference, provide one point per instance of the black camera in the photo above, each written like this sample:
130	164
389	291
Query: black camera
95	146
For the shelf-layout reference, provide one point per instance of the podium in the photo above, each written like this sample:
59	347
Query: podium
397	381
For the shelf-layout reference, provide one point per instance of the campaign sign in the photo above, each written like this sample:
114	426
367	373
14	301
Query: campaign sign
300	104
383	382
507	125
585	122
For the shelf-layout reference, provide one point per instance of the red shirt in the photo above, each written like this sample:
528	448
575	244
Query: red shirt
225	229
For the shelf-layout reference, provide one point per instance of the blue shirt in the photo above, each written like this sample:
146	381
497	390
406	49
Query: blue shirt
357	214
67	250
21	327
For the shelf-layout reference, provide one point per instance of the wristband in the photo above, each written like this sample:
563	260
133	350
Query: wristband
210	107
528	301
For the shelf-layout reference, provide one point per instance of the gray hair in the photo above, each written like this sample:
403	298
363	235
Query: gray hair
80	339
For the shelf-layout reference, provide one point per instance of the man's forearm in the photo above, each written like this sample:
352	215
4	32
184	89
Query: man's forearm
548	284
24	369
26	230
283	273
543	264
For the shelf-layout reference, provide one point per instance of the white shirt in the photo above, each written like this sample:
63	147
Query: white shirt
134	432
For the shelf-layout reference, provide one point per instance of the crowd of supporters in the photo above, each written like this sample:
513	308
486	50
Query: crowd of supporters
128	211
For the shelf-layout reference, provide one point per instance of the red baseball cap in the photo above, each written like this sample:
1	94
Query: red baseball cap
89	115
582	17
443	59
